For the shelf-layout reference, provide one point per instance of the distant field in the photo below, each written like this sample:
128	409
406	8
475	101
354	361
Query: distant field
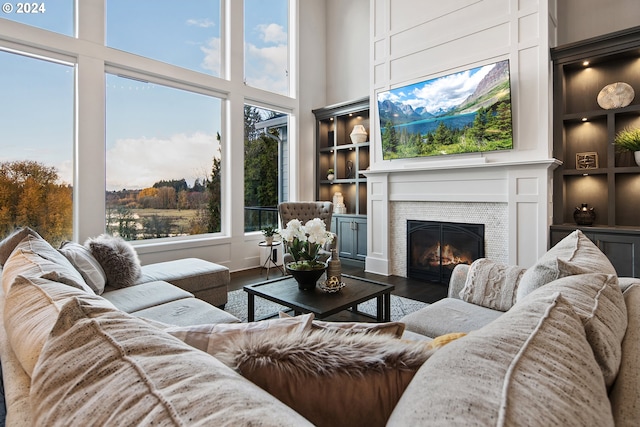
181	217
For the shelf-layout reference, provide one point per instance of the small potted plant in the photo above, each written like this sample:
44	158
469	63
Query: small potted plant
269	233
330	174
629	139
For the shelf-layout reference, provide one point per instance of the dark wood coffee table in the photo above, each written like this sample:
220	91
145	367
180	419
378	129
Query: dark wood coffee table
285	291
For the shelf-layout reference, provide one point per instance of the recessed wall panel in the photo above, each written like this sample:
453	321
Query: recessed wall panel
528	28
527	105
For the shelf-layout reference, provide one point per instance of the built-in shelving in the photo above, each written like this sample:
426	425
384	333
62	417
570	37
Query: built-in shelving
582	127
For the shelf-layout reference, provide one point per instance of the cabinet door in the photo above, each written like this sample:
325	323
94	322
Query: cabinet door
622	251
345	238
360	236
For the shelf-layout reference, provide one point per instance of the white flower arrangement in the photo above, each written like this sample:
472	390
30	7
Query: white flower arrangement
304	241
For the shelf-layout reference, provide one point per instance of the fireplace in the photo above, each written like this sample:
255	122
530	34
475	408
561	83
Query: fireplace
434	248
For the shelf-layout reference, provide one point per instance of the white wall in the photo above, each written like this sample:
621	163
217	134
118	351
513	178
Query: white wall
347	50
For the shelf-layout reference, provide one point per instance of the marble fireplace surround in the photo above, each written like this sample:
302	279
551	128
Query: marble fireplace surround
512	199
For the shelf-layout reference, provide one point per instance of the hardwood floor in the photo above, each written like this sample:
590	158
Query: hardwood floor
408	288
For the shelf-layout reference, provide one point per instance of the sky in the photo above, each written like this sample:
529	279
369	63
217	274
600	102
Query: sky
438	94
153	132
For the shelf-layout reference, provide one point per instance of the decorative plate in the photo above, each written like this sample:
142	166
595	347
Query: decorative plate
332	285
615	95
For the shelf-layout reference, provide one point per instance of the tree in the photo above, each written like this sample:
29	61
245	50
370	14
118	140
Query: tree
215	198
31	195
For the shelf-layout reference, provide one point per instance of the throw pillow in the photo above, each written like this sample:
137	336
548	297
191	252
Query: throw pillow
34	257
492	284
209	337
575	254
598	301
625	393
330	377
118	259
90	269
111	368
532	365
8	244
395	329
31	308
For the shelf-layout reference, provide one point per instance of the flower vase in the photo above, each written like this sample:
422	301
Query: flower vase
268	240
306	278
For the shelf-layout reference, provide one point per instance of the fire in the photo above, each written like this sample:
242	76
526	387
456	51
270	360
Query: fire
442	255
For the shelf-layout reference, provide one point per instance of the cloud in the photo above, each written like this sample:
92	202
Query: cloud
135	163
212	56
266	68
448	91
202	23
272	33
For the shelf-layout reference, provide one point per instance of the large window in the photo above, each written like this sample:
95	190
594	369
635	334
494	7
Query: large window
179	32
266	45
163	160
36	145
54	15
265	173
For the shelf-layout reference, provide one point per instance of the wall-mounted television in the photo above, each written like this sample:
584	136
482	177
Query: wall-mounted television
464	112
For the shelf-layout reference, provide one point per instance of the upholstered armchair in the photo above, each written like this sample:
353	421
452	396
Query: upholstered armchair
306	211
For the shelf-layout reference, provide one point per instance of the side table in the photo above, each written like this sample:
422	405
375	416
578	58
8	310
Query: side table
270	259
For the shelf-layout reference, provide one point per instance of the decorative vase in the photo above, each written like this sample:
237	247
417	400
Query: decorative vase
306	278
269	240
584	215
330	176
636	154
358	134
334	266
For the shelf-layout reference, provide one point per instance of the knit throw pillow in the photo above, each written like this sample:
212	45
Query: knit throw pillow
118	259
492	284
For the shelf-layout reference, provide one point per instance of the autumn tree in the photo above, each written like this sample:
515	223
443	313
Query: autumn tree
31	195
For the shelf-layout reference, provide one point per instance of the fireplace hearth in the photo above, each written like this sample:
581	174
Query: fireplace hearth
434	248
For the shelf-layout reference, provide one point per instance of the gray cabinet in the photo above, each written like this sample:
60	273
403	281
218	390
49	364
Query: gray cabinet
352	236
622	247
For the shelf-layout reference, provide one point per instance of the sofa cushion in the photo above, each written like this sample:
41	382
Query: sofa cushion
34	257
8	244
89	267
533	365
31	308
118	259
625	393
186	312
209	337
597	300
145	295
109	367
575	254
330	377
492	284
449	315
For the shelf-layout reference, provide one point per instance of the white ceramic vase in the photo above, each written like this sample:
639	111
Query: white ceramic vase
636	154
358	134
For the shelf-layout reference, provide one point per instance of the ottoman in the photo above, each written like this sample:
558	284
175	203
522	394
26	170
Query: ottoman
205	280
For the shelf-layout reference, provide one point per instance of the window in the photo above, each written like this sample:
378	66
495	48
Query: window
179	32
36	146
265	172
54	16
163	159
266	45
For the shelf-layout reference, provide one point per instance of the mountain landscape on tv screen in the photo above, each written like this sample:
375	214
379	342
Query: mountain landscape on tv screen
465	112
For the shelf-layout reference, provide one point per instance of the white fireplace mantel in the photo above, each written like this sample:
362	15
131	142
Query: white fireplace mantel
524	187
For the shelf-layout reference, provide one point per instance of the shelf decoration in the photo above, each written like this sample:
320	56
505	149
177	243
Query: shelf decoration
358	134
615	95
587	160
629	139
584	215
